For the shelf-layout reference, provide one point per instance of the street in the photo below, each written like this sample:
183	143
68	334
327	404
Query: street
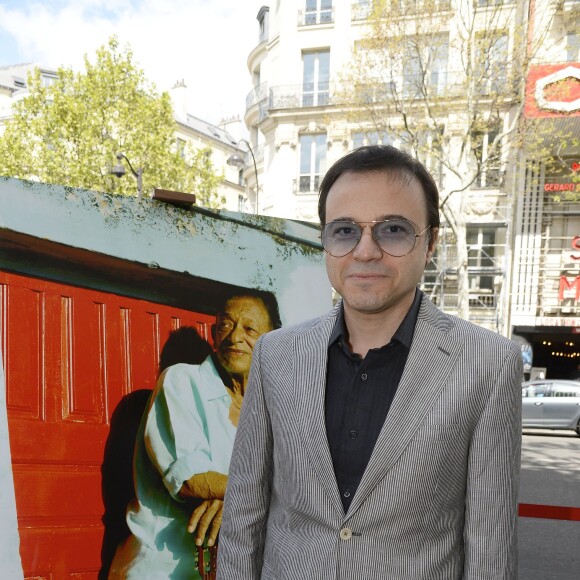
549	549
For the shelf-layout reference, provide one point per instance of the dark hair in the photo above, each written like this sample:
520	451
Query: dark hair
268	300
382	158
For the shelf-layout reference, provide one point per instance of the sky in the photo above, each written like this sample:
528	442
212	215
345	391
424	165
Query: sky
205	43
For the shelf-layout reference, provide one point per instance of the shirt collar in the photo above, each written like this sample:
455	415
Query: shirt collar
404	333
217	387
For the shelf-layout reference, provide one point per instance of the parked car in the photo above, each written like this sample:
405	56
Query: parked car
551	404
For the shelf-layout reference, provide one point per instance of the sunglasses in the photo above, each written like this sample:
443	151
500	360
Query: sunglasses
394	237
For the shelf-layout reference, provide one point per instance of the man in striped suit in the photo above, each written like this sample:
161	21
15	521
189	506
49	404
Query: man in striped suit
382	440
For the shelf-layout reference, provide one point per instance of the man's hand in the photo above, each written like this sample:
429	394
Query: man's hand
209	485
209	512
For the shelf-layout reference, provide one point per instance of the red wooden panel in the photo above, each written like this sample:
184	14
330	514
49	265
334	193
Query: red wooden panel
70	355
76	486
141	345
77	443
23	321
38	546
83	358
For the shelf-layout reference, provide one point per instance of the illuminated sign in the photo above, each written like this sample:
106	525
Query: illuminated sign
553	91
572	284
559	90
566	284
566	180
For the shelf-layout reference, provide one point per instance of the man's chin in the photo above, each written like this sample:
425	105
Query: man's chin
237	365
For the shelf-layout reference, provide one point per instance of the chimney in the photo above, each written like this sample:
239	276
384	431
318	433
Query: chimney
179	99
233	126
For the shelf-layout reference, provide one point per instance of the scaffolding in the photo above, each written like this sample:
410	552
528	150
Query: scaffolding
488	235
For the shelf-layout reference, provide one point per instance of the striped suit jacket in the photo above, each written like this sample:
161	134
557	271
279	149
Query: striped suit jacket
438	499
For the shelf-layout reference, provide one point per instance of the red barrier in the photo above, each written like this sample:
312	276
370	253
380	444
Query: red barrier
551	512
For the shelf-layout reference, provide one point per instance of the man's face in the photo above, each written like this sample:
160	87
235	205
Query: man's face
369	280
242	322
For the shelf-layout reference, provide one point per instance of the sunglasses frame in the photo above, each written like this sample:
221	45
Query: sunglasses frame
371	225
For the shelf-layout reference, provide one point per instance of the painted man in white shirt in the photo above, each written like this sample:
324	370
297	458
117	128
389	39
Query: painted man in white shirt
184	447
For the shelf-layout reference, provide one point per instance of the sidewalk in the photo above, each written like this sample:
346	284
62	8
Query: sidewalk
549	549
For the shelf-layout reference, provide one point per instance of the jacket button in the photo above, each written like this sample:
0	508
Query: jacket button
345	534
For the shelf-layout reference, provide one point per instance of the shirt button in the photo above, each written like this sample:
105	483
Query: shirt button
353	434
345	534
346	493
364	377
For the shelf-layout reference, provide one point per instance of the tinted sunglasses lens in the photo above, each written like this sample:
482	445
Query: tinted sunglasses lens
395	237
340	238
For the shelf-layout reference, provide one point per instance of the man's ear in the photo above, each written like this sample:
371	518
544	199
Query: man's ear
213	327
432	244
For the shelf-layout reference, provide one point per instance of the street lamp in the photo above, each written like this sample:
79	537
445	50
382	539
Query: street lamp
236	160
119	171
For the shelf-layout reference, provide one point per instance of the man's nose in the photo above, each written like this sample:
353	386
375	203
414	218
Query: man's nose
236	334
367	249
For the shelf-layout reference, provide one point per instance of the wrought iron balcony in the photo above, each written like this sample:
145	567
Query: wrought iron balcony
361	10
259	93
307	184
299	96
436	85
311	17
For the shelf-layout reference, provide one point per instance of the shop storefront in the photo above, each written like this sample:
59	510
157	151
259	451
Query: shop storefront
545	307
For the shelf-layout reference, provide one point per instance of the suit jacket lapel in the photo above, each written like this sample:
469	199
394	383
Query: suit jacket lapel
432	356
310	383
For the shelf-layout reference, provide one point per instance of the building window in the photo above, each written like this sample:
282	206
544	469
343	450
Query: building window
312	161
412	75
19	82
315	78
425	66
438	56
318	12
361	138
487	3
180	147
481	246
48	80
429	153
361	9
487	152
491	63
263	21
573	47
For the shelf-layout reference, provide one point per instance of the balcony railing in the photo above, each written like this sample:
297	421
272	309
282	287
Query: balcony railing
259	93
298	96
489	3
440	86
307	184
361	10
491	177
408	7
311	17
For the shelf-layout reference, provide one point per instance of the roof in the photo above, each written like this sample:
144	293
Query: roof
15	76
212	131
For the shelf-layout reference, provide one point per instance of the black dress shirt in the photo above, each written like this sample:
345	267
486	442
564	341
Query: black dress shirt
359	393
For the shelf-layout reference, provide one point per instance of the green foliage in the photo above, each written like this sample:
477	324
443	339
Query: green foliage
69	133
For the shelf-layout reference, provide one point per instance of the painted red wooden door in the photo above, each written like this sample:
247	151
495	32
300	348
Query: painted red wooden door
70	355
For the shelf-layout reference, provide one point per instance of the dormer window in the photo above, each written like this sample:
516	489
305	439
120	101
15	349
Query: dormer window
19	82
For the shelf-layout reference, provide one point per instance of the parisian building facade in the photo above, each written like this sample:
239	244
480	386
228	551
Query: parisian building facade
522	234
